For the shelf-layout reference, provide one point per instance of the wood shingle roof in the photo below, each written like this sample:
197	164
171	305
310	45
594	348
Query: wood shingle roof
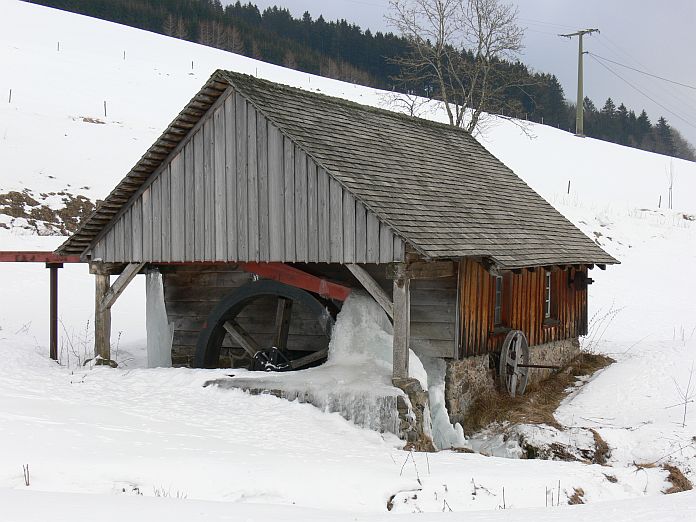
433	184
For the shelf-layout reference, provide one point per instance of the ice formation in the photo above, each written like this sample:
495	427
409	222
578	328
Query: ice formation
159	331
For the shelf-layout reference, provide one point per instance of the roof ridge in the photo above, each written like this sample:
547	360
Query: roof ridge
231	75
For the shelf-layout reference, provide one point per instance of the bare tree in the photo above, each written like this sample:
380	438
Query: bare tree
457	48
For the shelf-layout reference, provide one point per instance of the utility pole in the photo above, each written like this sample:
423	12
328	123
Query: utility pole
579	131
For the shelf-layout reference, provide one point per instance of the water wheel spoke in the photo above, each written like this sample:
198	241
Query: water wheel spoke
296	364
513	385
281	329
241	336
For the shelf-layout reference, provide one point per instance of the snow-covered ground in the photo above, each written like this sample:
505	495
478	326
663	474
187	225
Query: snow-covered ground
101	440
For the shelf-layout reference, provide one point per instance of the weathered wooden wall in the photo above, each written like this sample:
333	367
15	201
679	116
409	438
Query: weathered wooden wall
433	313
236	189
191	293
523	307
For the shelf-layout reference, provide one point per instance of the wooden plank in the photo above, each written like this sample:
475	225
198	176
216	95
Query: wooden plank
157	220
199	195
372	238
146	199
242	200
348	227
373	288
289	192
312	213
127	234
165	203
177	188
189	208
301	248
360	233
276	195
253	185
324	220
220	172
137	229
262	165
336	220
209	190
386	244
231	177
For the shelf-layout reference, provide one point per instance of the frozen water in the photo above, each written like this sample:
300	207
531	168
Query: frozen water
159	331
445	434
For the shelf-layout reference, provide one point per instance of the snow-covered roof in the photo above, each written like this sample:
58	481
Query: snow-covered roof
433	185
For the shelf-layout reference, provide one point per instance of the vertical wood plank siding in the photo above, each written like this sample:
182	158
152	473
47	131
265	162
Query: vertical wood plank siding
238	190
522	307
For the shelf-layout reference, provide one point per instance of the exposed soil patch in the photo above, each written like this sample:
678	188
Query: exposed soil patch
31	212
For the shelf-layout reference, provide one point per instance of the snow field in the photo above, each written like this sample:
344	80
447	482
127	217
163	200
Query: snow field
114	433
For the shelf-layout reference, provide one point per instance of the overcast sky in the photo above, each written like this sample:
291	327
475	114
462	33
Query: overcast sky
655	36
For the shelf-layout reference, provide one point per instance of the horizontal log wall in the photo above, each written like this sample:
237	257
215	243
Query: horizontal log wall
433	312
522	307
191	293
238	190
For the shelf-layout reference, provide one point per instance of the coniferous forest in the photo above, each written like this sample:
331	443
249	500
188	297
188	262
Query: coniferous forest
338	49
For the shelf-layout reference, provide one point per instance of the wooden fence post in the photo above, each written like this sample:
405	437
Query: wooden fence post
402	324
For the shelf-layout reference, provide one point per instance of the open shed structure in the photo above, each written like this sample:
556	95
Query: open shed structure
263	206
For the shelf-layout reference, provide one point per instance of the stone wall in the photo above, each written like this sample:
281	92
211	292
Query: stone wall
471	377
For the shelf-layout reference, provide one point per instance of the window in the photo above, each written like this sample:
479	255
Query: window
547	295
498	309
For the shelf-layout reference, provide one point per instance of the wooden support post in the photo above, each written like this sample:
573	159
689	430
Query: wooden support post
105	297
53	315
402	326
373	288
102	319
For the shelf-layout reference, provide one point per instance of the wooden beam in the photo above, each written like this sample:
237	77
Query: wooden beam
294	277
422	270
26	256
373	288
602	266
102	319
120	284
402	327
240	335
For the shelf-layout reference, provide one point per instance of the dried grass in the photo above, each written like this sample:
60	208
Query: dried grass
577	497
538	403
677	479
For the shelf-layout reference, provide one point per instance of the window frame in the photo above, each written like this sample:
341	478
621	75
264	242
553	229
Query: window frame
498	289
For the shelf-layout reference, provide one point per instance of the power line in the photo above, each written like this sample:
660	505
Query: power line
643	72
612	71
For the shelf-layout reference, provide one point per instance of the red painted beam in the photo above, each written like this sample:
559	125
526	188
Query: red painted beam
27	256
297	278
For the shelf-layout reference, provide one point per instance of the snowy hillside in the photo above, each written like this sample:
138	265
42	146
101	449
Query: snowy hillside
137	432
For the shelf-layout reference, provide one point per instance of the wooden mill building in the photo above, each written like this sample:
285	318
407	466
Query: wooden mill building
263	206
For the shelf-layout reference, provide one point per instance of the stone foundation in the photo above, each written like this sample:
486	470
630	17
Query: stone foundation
471	377
415	426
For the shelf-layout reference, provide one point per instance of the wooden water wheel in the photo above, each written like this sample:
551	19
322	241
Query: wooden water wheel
266	325
514	363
